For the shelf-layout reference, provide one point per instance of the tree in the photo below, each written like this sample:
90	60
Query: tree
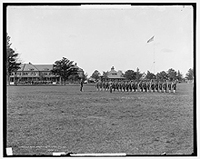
105	74
190	74
74	78
171	74
179	76
130	75
64	68
138	74
162	76
12	61
96	75
150	75
84	77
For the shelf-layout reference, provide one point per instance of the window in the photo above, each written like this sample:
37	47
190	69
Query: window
45	73
33	73
31	69
114	73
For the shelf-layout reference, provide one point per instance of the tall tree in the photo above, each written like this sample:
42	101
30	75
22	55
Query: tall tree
171	74
96	75
12	59
130	75
190	74
179	76
64	68
138	74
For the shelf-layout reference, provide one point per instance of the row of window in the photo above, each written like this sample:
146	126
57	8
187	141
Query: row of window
32	73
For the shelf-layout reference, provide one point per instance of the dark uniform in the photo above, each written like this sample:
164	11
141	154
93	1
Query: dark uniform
103	86
148	86
81	88
116	86
107	86
169	87
100	85
165	86
156	86
144	85
174	86
160	86
129	86
140	86
110	86
97	86
123	86
120	85
132	86
152	86
126	86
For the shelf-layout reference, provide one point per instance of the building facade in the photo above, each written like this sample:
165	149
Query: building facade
36	74
114	75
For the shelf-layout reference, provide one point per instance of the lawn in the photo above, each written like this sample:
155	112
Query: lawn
46	119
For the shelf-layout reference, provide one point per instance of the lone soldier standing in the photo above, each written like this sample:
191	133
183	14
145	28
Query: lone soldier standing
81	88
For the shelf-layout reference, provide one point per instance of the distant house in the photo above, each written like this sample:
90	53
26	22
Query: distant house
29	73
189	81
91	80
114	75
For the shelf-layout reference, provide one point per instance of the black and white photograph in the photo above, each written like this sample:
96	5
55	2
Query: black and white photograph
103	79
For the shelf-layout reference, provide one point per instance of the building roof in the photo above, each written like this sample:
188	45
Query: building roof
115	77
114	74
31	67
39	67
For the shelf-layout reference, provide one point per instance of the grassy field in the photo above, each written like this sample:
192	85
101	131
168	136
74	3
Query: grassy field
46	119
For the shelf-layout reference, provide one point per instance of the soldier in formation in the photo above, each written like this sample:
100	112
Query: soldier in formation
134	86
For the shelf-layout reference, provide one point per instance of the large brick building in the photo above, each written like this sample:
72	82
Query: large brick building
37	74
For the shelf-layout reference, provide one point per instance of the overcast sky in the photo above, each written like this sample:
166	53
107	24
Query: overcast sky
97	38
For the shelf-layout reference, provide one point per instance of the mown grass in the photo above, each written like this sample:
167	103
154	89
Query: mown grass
46	119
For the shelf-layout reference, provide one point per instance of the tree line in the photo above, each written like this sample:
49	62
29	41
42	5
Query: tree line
171	74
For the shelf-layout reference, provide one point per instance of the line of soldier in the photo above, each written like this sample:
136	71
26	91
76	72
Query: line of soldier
135	86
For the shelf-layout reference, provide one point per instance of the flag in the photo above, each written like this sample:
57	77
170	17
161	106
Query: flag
151	39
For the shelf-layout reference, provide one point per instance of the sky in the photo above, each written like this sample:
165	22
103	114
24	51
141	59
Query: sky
99	37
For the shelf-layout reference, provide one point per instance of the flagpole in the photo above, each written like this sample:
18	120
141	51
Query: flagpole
154	62
150	40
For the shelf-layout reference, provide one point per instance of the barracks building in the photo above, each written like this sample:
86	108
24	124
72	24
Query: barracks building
37	74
